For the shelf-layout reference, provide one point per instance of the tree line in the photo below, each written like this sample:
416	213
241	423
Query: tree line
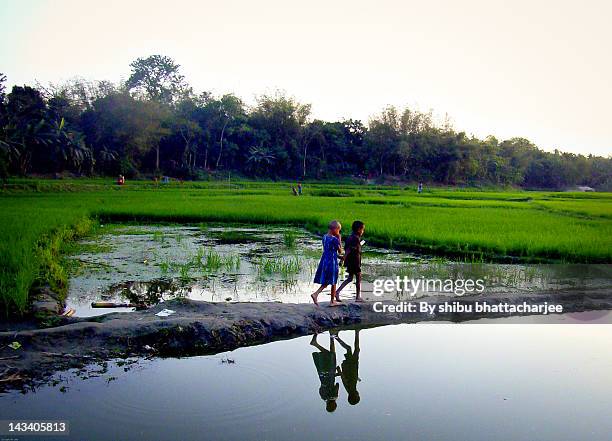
155	124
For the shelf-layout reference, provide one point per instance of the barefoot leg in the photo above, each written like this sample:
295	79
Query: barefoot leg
341	287
358	297
315	294
334	301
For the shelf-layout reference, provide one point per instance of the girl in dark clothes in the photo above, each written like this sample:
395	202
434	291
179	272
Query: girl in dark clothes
352	259
350	369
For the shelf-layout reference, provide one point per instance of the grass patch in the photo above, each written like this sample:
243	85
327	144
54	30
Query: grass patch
32	256
289	238
234	237
283	267
334	193
205	260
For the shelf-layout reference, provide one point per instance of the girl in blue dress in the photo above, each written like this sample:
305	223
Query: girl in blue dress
327	271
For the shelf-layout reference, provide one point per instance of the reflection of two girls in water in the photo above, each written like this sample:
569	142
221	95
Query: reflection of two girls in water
328	370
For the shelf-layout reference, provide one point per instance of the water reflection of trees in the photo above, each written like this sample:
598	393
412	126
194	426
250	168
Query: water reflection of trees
151	292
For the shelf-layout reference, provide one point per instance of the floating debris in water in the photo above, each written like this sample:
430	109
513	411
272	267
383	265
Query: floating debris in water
69	312
15	345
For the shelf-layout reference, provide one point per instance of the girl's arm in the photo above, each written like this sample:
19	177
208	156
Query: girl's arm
347	251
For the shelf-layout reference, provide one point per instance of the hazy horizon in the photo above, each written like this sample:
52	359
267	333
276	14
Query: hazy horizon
534	70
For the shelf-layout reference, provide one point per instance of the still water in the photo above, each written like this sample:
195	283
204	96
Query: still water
148	264
425	381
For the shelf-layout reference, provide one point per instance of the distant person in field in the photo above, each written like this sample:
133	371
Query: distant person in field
327	370
295	193
352	258
300	189
121	180
327	271
420	188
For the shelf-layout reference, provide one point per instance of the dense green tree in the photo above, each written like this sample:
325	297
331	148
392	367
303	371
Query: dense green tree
24	128
153	124
283	120
383	139
123	131
157	78
230	111
185	129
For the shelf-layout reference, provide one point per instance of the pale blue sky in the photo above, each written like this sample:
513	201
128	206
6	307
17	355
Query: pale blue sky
539	69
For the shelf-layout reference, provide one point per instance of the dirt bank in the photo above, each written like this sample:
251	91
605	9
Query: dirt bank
205	328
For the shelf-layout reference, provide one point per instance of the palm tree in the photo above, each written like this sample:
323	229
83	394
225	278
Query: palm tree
259	159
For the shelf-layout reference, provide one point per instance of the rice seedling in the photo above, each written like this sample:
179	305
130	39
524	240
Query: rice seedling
165	266
158	236
208	260
184	269
289	238
230	262
284	267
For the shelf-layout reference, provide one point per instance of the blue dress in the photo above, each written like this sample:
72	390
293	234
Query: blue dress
327	271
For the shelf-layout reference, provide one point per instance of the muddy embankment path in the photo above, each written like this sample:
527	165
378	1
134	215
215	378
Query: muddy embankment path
198	328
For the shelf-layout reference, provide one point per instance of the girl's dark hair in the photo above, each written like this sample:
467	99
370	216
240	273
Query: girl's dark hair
357	225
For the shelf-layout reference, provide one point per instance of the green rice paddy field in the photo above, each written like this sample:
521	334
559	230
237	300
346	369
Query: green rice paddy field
39	219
